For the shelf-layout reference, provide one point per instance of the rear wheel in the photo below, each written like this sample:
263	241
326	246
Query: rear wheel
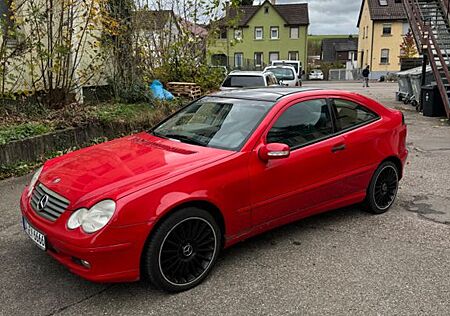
182	250
383	188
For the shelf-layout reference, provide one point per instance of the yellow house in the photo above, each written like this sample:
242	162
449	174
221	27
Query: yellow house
382	25
41	52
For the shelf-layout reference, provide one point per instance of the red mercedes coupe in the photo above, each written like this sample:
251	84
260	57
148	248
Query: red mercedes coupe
162	204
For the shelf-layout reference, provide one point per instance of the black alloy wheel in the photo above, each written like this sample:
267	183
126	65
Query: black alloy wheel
187	251
383	188
182	250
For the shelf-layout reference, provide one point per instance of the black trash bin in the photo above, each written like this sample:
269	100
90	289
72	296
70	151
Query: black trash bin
431	101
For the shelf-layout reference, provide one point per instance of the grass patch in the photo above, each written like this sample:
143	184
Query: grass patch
22	131
110	113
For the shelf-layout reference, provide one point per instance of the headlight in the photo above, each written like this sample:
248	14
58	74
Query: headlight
93	219
34	180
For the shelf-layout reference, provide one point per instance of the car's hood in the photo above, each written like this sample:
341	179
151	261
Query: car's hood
119	167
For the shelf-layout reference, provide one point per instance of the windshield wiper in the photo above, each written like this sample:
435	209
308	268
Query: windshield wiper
186	139
158	134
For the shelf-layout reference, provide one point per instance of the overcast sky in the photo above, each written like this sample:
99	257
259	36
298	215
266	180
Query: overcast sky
330	16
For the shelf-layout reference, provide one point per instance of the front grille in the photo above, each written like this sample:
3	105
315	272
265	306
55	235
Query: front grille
56	204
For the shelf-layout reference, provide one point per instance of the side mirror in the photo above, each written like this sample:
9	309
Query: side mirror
274	151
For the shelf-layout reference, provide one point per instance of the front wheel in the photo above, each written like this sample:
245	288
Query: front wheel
182	250
383	188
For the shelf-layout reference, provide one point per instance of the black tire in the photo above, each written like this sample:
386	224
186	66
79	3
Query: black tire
182	250
383	188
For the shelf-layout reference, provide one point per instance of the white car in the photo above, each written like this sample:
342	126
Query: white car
293	63
286	75
249	79
316	74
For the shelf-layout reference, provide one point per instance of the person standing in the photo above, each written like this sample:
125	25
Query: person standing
365	74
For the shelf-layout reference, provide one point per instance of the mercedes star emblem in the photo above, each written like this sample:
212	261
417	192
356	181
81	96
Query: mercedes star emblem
42	202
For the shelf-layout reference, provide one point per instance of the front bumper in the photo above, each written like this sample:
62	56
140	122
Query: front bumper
113	253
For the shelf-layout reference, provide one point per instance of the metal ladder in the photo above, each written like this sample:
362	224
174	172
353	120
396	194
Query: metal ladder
429	23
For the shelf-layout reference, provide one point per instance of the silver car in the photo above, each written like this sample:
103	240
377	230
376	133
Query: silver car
249	79
286	75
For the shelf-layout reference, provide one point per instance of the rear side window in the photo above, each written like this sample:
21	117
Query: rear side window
302	123
350	114
271	80
244	81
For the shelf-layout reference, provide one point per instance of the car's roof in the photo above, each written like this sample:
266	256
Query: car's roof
280	66
264	94
246	73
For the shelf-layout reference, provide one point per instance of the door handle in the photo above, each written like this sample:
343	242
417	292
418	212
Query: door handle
337	148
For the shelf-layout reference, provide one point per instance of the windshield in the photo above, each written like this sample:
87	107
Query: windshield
295	65
282	73
244	81
215	122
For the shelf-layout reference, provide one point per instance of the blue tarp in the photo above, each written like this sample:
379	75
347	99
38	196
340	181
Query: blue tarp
159	92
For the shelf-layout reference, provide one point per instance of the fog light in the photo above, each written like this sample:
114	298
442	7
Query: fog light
82	263
85	264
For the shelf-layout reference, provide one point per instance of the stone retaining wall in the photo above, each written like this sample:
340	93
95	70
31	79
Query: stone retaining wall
34	148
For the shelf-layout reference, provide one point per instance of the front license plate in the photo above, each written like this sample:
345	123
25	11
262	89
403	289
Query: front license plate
36	236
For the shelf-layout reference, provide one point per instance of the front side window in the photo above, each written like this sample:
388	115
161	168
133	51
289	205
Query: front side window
293	33
223	123
387	29
384	56
259	33
274	33
350	114
301	124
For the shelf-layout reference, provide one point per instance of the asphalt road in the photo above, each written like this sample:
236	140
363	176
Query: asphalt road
339	263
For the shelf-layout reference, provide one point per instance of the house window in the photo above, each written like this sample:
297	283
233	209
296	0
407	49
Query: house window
223	34
384	56
258	59
387	29
266	10
293	33
274	32
293	55
259	33
238	60
238	34
367	31
405	28
364	32
383	2
274	56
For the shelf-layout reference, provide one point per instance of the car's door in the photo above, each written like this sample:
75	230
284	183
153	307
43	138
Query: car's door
355	123
306	178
